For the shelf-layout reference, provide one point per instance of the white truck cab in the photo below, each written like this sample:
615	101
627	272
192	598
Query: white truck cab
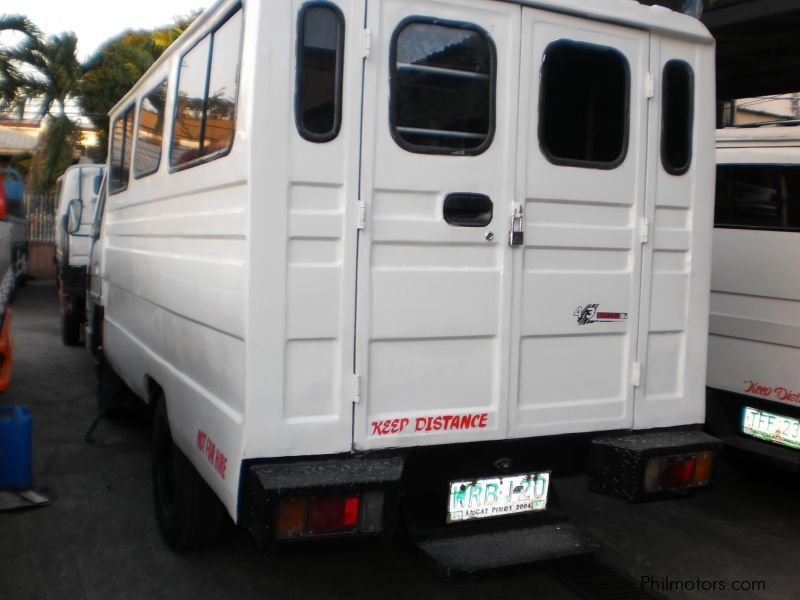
754	399
76	192
388	258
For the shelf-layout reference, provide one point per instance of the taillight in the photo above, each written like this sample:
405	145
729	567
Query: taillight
302	516
332	514
678	472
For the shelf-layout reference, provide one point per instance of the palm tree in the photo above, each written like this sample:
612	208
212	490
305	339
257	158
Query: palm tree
41	75
9	72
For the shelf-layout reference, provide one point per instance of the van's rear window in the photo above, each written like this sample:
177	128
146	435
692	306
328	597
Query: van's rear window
677	118
583	105
442	97
320	53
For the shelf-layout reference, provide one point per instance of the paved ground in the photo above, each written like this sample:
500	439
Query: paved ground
98	538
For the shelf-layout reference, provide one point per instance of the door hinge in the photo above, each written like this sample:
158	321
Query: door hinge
362	216
645	230
637	374
356	388
649	86
366	50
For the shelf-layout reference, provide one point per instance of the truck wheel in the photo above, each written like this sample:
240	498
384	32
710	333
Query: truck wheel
188	513
70	329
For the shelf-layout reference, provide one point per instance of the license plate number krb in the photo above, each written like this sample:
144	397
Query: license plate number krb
497	496
771	427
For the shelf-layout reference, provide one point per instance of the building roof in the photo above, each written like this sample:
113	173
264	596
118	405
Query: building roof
13	142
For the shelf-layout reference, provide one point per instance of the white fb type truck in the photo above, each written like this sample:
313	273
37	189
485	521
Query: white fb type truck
393	263
754	396
76	192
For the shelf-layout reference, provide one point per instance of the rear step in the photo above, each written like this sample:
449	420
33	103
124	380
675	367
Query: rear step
491	544
467	555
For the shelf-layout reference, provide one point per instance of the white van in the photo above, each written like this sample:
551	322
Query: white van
390	257
76	195
754	401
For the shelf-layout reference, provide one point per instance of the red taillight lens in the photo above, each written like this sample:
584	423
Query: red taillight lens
677	473
332	514
351	511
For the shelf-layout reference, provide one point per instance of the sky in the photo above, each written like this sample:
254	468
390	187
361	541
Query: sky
94	21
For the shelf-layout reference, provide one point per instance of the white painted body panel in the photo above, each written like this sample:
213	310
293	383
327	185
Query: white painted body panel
754	343
278	327
77	182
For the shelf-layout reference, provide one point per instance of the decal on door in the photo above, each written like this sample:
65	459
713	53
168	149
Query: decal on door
776	393
592	314
410	425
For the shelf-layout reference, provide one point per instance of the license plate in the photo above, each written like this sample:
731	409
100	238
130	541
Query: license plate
771	427
497	496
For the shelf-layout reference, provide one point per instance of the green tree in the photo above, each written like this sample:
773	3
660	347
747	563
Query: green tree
40	75
116	67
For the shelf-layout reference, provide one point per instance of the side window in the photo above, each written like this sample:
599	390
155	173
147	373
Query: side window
764	196
583	105
442	88
150	131
677	117
121	144
207	89
320	55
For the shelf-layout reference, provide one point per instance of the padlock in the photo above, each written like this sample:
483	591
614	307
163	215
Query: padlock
516	237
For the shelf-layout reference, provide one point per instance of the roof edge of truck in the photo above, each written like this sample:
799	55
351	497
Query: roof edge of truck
629	13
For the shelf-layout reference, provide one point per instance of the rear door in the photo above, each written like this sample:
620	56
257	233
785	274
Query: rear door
498	118
440	111
581	189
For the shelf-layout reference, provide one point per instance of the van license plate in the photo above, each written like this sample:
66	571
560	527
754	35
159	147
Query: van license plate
497	496
771	427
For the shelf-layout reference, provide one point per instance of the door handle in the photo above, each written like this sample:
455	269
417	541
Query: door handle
468	210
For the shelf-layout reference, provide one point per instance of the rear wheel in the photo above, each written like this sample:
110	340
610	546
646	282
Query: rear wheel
188	513
70	329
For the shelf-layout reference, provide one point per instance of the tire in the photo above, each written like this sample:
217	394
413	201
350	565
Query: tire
188	514
70	329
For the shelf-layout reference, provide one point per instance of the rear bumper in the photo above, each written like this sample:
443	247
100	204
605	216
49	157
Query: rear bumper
724	418
414	477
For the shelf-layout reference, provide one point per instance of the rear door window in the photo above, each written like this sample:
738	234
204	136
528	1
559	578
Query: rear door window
584	106
442	88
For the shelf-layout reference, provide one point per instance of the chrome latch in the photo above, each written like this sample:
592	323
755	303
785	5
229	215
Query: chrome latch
516	237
